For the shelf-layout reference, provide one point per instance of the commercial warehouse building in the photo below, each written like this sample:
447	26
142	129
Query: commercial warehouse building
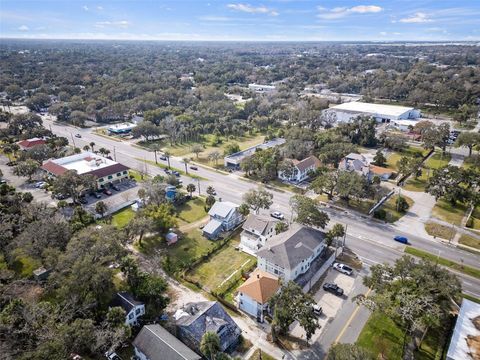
105	170
346	112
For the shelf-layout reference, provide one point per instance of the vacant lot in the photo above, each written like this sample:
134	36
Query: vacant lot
436	161
123	217
453	214
442	231
411	151
469	241
192	210
390	206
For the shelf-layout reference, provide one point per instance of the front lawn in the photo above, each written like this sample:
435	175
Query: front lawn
436	161
381	335
361	205
123	217
221	266
192	210
441	231
411	151
452	214
468	240
390	206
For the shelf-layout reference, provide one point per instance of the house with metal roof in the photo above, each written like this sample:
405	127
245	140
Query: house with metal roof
234	160
196	319
134	309
154	342
257	230
465	341
28	144
224	216
105	170
301	169
254	294
290	254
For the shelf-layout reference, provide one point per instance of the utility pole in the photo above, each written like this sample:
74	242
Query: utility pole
399	195
345	235
114	154
198	185
73	140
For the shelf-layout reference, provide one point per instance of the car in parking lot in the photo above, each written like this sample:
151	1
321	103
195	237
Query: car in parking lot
96	195
176	173
317	310
401	239
333	288
344	269
107	192
78	135
60	196
115	187
166	171
277	215
83	200
40	184
163	157
193	167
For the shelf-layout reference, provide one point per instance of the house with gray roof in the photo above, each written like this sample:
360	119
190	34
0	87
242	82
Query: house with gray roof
155	343
290	254
256	231
355	162
224	216
133	309
196	319
301	169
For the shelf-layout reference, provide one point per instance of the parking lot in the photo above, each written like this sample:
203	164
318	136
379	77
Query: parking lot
128	192
329	302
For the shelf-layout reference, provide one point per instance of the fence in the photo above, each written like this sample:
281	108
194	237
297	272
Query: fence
405	177
319	273
382	200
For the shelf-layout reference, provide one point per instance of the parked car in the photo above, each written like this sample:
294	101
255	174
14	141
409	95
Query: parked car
277	215
193	167
3	181
333	288
115	187
82	200
344	269
176	173
166	171
78	135
317	310
61	196
39	184
107	192
96	195
401	239
163	157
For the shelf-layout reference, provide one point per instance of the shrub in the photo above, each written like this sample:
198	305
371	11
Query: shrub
402	204
380	214
469	223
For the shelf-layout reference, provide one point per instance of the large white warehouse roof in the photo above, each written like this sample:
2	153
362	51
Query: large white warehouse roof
361	107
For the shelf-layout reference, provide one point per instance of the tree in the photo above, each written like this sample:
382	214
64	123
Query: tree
337	231
156	147
307	212
197	149
211	190
291	304
258	199
101	208
280	227
452	183
349	184
191	188
26	168
139	226
209	201
186	161
469	140
167	155
231	148
147	130
162	216
104	151
92	146
408	165
244	210
416	295
379	159
72	184
286	168
401	204
210	345
86	148
348	352
215	156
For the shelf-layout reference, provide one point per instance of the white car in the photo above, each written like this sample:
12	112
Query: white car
277	215
317	310
344	269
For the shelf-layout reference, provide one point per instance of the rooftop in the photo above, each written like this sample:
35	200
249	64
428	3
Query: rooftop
467	328
259	224
260	286
222	208
84	163
308	162
158	344
357	106
251	150
125	301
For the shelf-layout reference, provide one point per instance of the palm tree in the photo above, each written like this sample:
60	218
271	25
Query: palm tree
92	144
191	189
185	162
214	156
101	208
156	147
210	345
86	148
167	155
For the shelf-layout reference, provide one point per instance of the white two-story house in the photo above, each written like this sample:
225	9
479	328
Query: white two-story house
290	254
301	169
256	231
224	216
134	309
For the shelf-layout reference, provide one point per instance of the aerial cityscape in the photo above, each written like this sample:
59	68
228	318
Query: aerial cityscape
222	180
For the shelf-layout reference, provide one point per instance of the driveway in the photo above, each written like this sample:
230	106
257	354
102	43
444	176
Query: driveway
128	192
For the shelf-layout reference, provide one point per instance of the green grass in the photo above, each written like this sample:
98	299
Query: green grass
475	272
256	356
468	240
410	151
363	206
452	214
123	217
432	343
390	207
136	175
220	266
436	161
476	218
192	210
24	265
381	335
471	298
438	230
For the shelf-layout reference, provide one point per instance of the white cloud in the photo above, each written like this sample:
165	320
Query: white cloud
85	7
121	24
214	18
417	18
383	33
99	7
23	28
252	9
340	12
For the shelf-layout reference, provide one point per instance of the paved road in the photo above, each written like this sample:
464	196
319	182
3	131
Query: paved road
370	239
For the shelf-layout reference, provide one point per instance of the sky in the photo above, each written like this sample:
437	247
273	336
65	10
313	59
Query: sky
268	20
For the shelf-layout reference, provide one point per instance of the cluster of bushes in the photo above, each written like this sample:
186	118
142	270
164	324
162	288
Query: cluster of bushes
223	290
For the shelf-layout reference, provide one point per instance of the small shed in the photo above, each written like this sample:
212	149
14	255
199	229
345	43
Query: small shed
172	238
41	274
